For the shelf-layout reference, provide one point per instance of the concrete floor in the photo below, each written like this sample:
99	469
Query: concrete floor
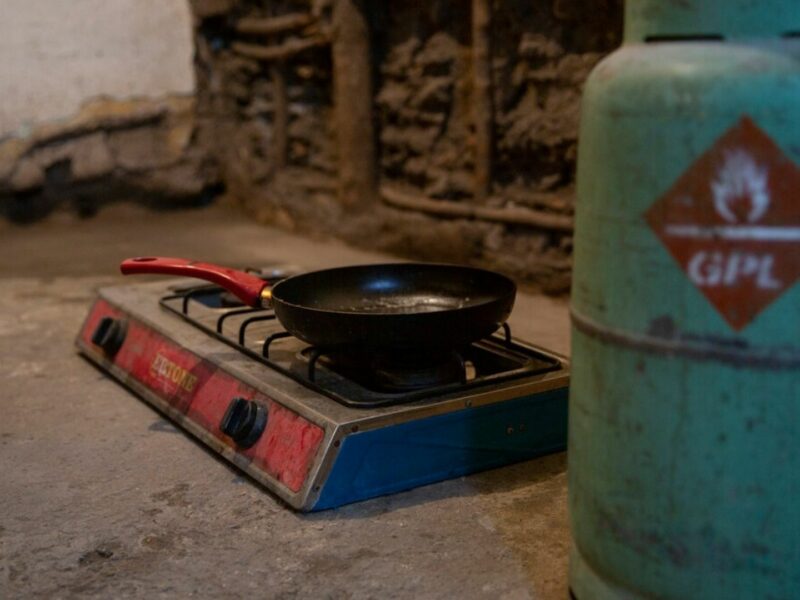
101	497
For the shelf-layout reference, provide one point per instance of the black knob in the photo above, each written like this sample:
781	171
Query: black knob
109	334
244	421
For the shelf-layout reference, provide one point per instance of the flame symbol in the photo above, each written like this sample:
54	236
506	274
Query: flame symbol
740	190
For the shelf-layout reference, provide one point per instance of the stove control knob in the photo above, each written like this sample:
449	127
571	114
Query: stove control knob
109	335
244	421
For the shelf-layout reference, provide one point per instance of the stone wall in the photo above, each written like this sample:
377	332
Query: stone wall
425	115
266	80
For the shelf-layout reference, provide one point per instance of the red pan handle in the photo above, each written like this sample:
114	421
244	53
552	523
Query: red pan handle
248	288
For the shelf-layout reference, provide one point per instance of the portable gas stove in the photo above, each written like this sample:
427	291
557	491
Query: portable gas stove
316	429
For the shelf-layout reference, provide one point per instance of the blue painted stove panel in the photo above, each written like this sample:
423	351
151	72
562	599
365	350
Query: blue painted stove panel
407	455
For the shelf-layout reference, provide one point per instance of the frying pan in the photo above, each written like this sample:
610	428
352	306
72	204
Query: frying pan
383	307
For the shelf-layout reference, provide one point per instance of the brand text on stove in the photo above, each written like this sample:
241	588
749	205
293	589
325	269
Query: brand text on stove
163	368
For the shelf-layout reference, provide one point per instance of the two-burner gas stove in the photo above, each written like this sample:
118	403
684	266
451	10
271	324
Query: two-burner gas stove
320	430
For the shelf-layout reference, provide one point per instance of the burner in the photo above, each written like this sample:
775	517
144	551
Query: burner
359	377
397	371
406	372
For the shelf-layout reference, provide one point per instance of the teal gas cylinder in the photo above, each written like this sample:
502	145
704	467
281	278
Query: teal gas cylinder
684	440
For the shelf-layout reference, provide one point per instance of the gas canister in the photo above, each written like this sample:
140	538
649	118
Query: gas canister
684	447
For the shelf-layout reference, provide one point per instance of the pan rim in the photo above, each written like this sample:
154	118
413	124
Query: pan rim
505	296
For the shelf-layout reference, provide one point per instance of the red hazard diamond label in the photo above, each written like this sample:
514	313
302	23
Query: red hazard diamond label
732	222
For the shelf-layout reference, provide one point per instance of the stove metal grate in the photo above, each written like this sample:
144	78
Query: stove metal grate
525	360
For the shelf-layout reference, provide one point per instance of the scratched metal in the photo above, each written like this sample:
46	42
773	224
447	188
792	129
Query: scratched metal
684	468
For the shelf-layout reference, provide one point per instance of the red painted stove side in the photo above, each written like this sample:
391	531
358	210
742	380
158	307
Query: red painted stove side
288	446
201	393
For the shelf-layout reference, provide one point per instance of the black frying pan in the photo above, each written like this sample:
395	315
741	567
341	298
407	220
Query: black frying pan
385	307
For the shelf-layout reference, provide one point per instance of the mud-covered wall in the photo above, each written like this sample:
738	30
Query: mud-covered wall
267	82
270	120
424	99
443	130
542	53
